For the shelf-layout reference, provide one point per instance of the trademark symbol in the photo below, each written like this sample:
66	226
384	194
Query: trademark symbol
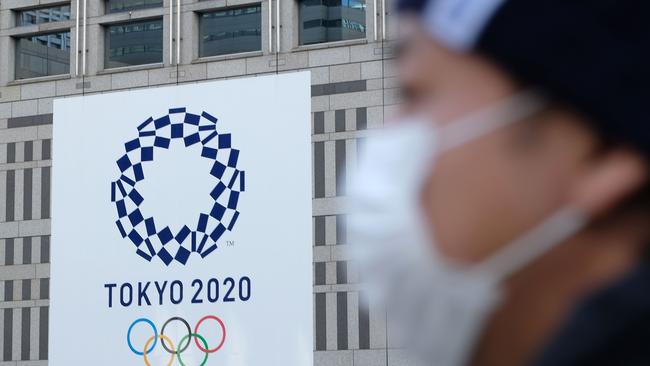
230	243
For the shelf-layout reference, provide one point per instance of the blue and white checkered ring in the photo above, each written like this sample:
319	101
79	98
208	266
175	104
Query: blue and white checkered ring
151	241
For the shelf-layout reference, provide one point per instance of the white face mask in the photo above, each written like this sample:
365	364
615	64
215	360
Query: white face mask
435	307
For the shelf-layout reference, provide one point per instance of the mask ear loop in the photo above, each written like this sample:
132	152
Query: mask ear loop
490	119
552	231
480	123
535	243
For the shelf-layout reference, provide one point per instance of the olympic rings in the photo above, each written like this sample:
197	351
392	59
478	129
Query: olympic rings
163	338
168	344
196	336
223	330
128	336
189	331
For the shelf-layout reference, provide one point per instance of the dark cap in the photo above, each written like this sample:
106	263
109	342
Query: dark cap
593	55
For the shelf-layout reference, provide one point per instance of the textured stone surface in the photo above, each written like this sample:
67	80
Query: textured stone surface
24	108
226	68
37	90
329	56
131	79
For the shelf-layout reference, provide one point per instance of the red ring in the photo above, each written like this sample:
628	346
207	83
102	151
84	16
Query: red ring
223	339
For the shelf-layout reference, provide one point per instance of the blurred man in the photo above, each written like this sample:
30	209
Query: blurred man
504	219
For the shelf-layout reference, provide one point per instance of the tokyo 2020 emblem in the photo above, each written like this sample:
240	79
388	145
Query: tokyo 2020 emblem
178	129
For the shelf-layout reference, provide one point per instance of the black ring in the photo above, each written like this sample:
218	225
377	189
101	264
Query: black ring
189	331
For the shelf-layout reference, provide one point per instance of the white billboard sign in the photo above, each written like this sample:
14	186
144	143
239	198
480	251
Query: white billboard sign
181	230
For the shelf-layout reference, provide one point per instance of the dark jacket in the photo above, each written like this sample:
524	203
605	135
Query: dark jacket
611	328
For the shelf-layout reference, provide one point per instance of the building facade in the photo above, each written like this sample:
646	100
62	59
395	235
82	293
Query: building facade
53	49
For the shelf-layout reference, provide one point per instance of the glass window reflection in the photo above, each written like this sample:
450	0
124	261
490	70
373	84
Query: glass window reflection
44	15
134	43
231	31
116	6
331	20
42	55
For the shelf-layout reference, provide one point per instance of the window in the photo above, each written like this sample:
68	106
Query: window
116	6
43	55
331	20
230	31
134	43
44	15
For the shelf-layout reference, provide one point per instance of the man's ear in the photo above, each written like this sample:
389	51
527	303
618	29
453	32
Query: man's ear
608	179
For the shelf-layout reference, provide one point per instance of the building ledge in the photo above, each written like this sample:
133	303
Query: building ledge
39	79
114	70
231	56
318	46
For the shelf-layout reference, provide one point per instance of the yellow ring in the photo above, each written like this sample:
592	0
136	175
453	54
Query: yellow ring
163	338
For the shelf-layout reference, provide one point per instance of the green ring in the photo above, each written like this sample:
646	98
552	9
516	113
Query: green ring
186	338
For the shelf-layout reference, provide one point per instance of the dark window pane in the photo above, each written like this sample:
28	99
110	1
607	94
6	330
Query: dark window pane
8	334
340	168
319	273
231	31
341	272
115	6
319	169
319	230
364	322
341	230
135	43
332	20
342	320
320	324
43	55
44	15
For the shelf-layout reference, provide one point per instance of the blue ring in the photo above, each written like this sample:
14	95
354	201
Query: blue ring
128	336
